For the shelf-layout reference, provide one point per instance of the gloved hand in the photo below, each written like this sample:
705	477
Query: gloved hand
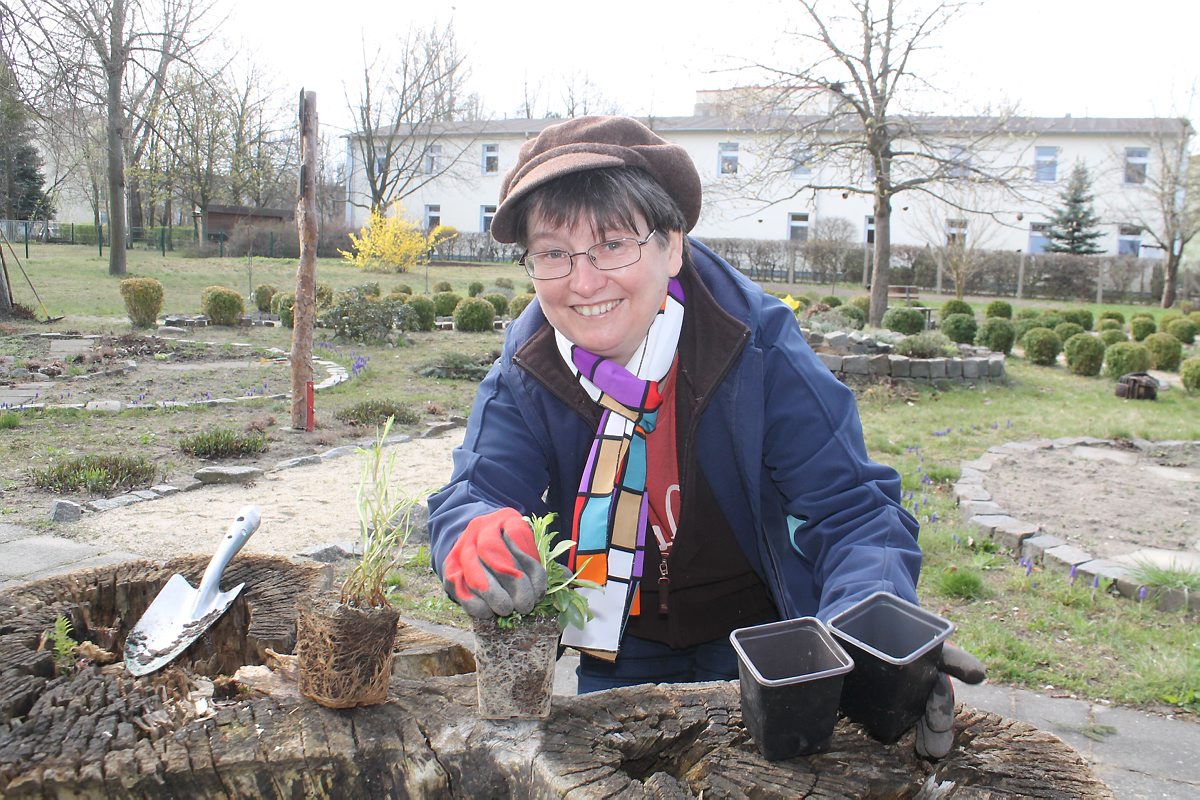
935	731
493	568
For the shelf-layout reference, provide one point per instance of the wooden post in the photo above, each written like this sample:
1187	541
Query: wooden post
306	278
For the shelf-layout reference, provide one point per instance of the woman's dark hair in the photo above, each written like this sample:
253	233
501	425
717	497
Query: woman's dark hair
611	198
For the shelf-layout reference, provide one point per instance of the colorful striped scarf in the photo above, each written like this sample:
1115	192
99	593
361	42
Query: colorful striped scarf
611	508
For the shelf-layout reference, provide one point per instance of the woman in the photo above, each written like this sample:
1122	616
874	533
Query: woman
710	468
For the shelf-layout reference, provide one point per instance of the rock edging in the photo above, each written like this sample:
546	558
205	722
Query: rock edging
1027	540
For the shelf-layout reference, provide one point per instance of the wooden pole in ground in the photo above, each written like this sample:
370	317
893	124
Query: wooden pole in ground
306	278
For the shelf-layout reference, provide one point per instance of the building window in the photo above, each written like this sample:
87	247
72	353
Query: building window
491	159
959	165
485	217
727	158
956	232
1045	164
433	217
1037	237
1129	240
801	163
432	161
869	229
798	227
1136	161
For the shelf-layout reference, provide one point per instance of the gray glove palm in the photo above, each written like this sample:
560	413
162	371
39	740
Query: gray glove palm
935	731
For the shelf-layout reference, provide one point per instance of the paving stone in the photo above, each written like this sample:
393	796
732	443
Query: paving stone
918	367
104	405
146	494
971	491
10	533
837	340
66	511
1167	559
1010	535
227	474
1035	547
984	463
855	365
109	503
190	484
37	553
164	489
954	368
338	452
937	367
1091	453
1066	555
1172	473
878	365
971	369
1107	570
969	475
978	508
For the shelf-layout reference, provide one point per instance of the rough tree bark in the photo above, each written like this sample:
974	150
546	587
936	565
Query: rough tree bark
304	312
100	733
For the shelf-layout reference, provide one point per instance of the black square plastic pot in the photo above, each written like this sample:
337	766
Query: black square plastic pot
895	646
791	676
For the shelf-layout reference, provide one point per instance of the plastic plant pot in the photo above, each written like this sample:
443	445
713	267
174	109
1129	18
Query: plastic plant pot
895	646
791	678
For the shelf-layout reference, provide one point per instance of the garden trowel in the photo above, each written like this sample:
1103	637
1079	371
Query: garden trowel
180	614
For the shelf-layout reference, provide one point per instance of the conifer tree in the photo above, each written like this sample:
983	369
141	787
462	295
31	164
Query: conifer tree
1073	225
21	179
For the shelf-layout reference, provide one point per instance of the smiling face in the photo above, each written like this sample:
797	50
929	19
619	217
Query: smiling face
606	312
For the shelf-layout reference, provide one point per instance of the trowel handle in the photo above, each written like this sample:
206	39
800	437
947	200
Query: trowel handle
239	532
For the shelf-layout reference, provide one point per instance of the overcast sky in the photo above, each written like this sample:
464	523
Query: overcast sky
1049	57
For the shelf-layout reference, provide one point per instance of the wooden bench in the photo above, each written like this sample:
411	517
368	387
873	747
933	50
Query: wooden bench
907	293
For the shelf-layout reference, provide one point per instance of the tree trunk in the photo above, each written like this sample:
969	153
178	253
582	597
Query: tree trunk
96	732
883	256
306	278
1170	277
115	130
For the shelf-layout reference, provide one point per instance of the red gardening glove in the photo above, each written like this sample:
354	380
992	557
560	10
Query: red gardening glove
935	731
493	568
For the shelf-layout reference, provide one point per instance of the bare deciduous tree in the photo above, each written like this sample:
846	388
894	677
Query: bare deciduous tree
401	111
112	58
825	251
842	106
1171	218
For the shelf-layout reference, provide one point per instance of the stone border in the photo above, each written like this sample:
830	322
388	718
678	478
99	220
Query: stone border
335	374
1027	540
890	365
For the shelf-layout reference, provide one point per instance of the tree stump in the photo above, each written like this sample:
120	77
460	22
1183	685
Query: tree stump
99	732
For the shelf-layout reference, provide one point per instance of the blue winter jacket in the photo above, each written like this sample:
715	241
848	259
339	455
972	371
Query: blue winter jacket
779	442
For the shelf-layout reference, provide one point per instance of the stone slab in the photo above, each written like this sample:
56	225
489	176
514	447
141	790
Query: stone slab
971	491
979	508
1066	555
34	554
10	533
855	365
971	369
1167	559
301	461
1011	535
899	366
109	503
227	474
164	489
1089	453
66	511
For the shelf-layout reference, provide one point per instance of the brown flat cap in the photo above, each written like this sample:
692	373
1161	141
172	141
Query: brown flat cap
594	143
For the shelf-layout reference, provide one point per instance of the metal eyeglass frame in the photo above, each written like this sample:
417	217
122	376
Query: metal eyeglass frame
571	256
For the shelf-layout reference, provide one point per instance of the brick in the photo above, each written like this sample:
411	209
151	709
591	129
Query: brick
1035	547
1067	556
899	366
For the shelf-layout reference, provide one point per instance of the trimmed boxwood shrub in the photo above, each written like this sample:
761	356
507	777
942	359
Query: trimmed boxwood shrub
1195	317
1141	327
499	302
861	302
1167	318
955	307
324	295
960	328
1024	326
1066	330
445	303
1042	346
831	300
904	320
1112	313
854	313
1051	320
402	288
361	317
1108	324
473	314
1189	371
1125	357
283	305
1111	336
506	283
443	286
262	297
1080	316
997	334
426	311
1029	313
1183	329
998	308
518	304
1165	351
222	305
1085	354
474	289
143	300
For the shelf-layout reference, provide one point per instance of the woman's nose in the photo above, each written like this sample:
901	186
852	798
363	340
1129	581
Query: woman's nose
585	278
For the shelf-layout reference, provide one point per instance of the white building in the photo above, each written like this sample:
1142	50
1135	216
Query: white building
1037	155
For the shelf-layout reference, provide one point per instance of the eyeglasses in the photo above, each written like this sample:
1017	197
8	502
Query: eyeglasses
613	254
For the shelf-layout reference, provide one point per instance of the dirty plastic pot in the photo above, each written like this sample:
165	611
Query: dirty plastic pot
791	678
895	646
515	667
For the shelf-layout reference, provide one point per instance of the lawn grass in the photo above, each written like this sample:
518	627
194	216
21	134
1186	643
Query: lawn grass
1035	630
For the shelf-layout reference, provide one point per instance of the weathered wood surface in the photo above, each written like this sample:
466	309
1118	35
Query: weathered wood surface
102	733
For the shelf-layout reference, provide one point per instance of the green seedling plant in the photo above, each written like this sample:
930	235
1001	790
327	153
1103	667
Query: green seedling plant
384	518
64	645
562	599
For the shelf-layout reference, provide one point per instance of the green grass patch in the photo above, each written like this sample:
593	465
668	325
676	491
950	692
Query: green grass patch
224	443
96	474
377	412
9	420
1151	575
